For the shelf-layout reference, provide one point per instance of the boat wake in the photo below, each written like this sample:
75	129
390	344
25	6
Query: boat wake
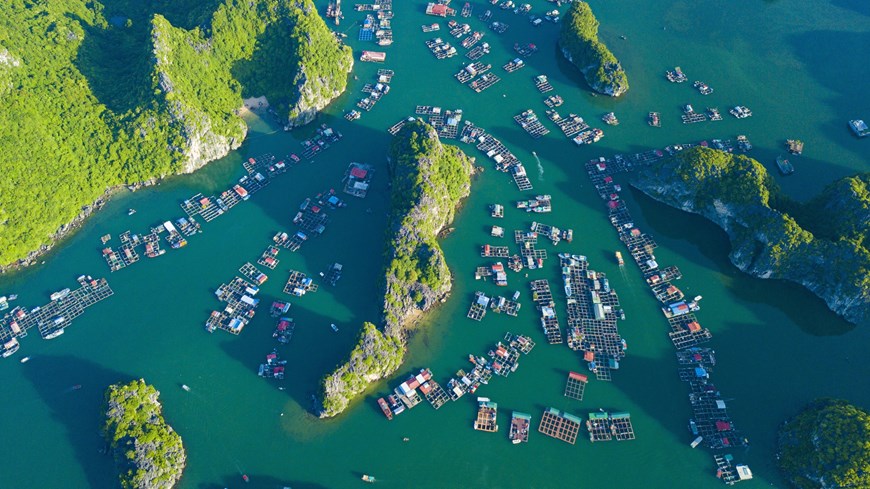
540	167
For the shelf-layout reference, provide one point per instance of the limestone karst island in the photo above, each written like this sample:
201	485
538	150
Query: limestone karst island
434	244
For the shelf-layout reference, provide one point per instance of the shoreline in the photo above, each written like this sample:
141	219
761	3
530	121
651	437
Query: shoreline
68	229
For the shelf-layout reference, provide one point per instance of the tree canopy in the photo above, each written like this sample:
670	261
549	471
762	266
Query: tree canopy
827	445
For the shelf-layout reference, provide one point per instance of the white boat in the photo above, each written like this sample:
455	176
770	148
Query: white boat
25	359
60	294
697	441
131	211
334	327
185	387
697	298
54	334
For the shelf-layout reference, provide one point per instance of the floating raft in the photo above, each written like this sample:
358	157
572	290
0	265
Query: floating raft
593	311
576	385
52	318
486	415
543	299
570	126
489	251
729	472
269	258
542	84
520	423
239	295
478	307
299	284
605	426
253	274
478	52
559	425
530	123
434	393
504	305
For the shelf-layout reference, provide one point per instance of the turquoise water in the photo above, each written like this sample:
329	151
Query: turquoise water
797	65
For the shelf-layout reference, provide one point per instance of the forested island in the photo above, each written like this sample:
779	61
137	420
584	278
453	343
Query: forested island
98	94
826	446
821	244
580	45
429	180
148	452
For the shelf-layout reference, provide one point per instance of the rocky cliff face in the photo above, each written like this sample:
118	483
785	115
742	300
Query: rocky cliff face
608	79
315	93
201	142
766	243
429	180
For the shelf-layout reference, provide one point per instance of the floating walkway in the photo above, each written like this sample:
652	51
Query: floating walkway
711	423
51	319
543	299
593	311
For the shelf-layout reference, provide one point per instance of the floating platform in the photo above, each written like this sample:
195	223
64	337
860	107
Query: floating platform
559	425
605	426
299	284
486	415
576	385
520	423
52	318
269	258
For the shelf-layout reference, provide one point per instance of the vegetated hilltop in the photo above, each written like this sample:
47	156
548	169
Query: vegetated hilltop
429	180
580	45
148	451
821	245
826	446
95	94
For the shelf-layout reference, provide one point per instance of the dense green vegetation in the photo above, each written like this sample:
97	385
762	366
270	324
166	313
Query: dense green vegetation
821	244
375	356
429	180
580	44
148	451
98	94
827	445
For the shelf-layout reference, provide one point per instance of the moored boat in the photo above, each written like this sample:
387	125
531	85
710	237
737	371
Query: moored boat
385	408
368	478
784	165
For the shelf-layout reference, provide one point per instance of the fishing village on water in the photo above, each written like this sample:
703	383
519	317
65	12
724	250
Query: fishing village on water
578	309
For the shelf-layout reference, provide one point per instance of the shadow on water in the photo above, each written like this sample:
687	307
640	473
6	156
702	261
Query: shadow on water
259	482
79	410
804	308
859	6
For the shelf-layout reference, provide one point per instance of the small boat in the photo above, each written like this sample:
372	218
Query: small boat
131	211
334	327
25	359
368	478
60	294
246	478
785	167
77	387
54	334
697	441
619	259
406	439
698	297
185	387
654	120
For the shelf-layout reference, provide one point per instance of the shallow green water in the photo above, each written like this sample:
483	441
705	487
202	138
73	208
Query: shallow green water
796	64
